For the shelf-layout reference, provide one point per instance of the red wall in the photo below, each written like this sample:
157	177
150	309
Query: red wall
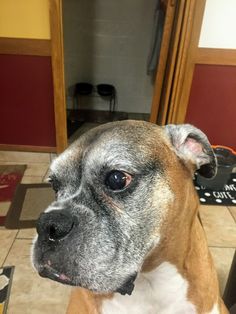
212	103
26	101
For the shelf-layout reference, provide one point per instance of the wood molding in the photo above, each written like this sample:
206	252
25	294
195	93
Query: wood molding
162	63
191	55
179	104
27	148
215	56
58	73
24	46
171	64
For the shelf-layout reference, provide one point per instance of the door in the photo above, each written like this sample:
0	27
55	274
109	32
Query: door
177	42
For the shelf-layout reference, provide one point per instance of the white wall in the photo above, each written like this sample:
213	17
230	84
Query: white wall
107	41
219	25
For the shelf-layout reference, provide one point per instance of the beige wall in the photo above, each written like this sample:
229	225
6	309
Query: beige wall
24	19
219	25
108	41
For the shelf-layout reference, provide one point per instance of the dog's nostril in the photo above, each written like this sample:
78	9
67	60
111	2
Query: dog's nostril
57	232
52	232
55	225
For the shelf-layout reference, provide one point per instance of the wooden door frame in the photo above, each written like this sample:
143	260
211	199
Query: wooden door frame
174	77
163	59
57	55
179	104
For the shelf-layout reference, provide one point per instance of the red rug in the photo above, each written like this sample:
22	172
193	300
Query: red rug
10	177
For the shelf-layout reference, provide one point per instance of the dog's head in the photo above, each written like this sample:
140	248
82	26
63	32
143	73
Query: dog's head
114	188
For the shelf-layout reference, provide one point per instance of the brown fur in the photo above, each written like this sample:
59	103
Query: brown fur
183	243
83	301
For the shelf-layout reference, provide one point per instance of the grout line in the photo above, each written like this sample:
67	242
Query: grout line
234	218
8	162
45	174
10	248
28	176
221	247
22	238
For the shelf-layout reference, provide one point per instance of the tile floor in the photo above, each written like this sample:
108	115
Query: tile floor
33	295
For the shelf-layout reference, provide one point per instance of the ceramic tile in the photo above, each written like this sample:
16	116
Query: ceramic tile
219	226
232	210
53	156
4	206
45	178
6	239
29	180
36	169
26	233
24	157
30	293
222	259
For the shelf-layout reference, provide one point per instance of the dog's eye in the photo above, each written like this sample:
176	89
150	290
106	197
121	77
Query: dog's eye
117	180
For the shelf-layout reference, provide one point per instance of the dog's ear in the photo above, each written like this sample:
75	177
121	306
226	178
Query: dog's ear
192	145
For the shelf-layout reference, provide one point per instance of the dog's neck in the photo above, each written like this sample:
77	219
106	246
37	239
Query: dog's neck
183	244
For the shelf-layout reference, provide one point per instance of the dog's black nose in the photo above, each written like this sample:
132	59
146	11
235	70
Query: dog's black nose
54	225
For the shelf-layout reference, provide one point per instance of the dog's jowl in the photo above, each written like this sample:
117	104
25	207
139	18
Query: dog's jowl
124	227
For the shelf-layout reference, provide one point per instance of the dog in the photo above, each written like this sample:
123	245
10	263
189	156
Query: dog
124	227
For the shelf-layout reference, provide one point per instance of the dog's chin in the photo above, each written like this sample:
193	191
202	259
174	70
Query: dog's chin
47	271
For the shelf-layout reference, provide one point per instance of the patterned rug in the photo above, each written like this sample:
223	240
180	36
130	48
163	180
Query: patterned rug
6	275
10	177
226	196
29	201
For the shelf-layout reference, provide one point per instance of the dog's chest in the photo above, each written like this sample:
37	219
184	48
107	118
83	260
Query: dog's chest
162	291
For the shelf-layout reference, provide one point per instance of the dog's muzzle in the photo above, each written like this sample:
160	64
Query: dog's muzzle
55	229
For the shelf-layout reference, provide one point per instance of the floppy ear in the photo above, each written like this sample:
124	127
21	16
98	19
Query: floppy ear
192	145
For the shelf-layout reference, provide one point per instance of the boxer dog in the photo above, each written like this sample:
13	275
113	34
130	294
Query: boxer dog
124	226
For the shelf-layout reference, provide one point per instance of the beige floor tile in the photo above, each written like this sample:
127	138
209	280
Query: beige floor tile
27	233
7	237
4	207
31	294
219	226
24	157
222	259
31	180
53	156
46	176
36	169
232	210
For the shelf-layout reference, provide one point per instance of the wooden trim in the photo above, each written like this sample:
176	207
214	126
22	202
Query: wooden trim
179	104
27	148
171	64
24	46
215	56
58	73
182	59
166	37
